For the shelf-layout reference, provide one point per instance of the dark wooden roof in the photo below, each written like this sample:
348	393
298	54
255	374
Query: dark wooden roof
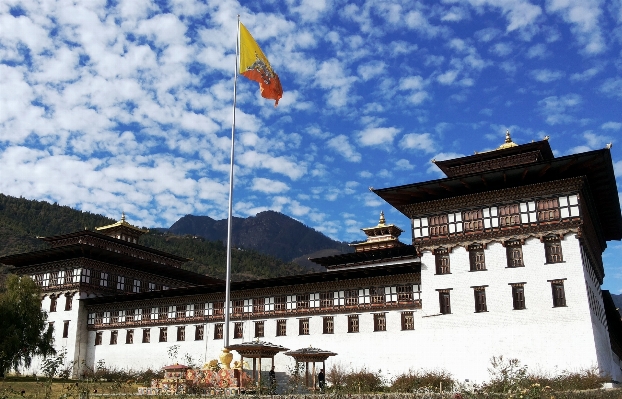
366	257
312	278
74	251
596	166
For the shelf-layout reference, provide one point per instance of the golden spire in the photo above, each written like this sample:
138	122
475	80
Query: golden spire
508	141
382	220
123	216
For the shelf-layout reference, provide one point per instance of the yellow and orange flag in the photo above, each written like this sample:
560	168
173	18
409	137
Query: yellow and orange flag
255	66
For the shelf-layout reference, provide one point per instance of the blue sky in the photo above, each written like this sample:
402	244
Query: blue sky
112	106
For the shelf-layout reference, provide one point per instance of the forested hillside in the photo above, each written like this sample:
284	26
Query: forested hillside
22	220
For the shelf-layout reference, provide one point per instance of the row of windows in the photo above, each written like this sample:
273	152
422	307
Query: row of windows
380	324
542	210
514	255
65	327
284	303
518	297
95	277
54	300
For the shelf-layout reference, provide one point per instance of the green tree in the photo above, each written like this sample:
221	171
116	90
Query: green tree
24	332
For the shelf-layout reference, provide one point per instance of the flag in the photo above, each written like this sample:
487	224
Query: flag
255	66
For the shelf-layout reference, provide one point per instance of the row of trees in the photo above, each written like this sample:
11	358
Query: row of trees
24	331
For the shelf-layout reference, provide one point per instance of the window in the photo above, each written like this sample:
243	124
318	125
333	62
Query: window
553	249
91	319
509	215
199	333
68	302
218	331
390	294
163	334
238	330
190	310
455	222
53	303
66	329
353	323
181	333
303	326
180	311
444	301
314	300
248	306
326	299
120	283
328	326
559	296
472	221
491	217
269	304
518	295
151	287
480	299
438	225
280	303
259	305
172	312
129	337
569	206
238	306
114	336
103	281
408	321
380	322
405	293
291	302
259	331
442	261
281	328
98	337
420	228
351	297
146	335
528	212
136	286
548	209
302	301
364	297
514	253
377	294
477	259
339	298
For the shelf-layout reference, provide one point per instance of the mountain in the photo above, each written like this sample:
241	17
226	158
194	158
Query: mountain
22	220
617	300
269	232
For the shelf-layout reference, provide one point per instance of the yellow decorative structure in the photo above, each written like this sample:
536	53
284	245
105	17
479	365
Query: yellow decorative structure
225	359
508	142
381	236
122	230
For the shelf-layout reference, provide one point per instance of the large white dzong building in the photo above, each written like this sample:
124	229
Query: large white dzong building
505	259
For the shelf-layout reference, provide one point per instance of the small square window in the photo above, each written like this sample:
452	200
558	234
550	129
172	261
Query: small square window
238	330
281	328
66	329
408	321
518	296
380	322
68	302
444	301
480	299
181	333
146	335
328	326
199	333
477	257
98	337
259	329
553	249
514	253
218	331
442	261
53	303
163	334
114	336
353	323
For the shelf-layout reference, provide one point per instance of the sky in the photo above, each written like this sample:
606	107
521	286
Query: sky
112	106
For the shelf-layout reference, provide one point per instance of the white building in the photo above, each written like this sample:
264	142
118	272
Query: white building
505	259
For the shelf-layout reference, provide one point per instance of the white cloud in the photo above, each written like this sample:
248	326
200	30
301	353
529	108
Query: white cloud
612	87
377	136
592	142
519	13
584	17
502	49
341	144
332	76
418	141
617	168
372	200
277	164
537	51
585	75
546	75
371	69
268	186
404	164
611	126
556	109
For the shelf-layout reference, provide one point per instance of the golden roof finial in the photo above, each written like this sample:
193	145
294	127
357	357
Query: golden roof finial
123	216
508	141
382	220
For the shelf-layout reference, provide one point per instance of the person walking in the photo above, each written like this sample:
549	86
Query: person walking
272	378
321	379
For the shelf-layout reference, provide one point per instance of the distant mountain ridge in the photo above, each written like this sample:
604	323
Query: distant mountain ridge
269	232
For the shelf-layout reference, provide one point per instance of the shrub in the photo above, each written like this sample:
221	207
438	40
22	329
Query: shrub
413	380
364	381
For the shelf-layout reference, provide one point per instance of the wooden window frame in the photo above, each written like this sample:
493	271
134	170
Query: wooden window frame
146	336
512	248
558	292
181	333
238	330
219	331
114	337
518	296
408	321
553	249
328	325
477	258
353	323
479	294
380	322
438	225
163	335
53	300
99	336
442	261
259	329
281	327
199	333
444	300
129	337
509	215
66	329
68	302
303	326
